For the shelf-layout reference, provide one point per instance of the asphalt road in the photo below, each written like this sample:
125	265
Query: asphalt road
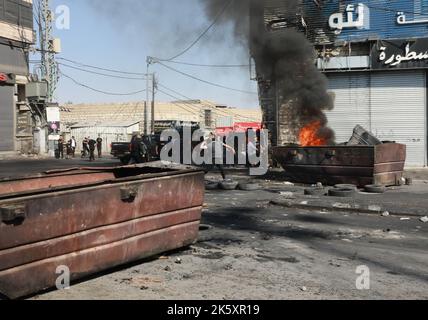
256	250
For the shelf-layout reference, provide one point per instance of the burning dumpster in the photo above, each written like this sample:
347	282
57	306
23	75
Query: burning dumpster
90	220
362	161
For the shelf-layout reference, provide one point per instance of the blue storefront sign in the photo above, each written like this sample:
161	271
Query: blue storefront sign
330	21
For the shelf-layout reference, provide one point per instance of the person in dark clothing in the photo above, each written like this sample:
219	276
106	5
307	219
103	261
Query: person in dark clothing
99	146
85	147
61	147
91	144
138	150
215	145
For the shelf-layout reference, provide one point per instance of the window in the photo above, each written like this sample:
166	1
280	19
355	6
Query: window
17	12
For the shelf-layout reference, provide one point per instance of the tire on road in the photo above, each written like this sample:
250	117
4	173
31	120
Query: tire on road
343	192
374	188
346	186
315	192
249	186
211	185
229	185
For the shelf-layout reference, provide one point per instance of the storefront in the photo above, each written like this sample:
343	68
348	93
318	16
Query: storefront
389	99
390	104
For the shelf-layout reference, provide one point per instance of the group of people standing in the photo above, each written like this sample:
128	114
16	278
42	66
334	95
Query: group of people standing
88	148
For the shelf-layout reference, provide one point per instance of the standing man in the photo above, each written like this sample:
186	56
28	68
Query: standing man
216	146
85	147
99	146
138	150
91	143
61	147
73	146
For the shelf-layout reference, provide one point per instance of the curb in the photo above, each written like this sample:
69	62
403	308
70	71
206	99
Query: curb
363	210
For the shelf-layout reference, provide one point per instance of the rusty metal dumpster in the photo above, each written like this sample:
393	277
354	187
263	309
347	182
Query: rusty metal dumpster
90	220
360	165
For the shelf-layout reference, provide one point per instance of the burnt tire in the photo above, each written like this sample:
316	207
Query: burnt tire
342	192
249	186
373	188
211	186
346	186
229	185
315	192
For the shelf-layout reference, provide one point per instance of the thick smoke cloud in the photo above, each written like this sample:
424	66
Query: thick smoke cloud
285	57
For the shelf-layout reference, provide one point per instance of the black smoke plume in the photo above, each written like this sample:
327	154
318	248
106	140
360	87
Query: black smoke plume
284	57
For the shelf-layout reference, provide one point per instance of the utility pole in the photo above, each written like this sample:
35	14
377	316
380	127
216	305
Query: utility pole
49	72
154	87
146	105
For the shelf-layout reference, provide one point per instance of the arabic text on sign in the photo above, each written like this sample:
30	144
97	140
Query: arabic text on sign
338	21
397	59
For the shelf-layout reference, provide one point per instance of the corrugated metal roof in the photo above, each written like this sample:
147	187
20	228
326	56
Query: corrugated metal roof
119	124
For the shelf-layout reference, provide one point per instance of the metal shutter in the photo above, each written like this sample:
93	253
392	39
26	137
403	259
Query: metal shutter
398	101
6	119
352	103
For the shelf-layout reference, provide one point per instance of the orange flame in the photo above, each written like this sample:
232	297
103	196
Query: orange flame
309	135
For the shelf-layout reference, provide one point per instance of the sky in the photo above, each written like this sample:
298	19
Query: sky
120	34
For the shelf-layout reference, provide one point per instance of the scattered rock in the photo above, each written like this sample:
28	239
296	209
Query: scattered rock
385	214
304	289
404	219
178	261
228	267
375	208
342	205
167	268
144	288
287	195
424	219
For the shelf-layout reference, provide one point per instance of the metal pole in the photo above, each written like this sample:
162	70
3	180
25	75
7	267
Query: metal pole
153	103
146	106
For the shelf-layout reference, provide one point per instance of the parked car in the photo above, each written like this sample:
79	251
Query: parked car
122	150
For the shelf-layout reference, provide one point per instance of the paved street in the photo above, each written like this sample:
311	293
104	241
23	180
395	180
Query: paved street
255	249
22	167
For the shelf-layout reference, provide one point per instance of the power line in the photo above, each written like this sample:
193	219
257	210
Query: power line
209	65
100	91
99	73
103	69
222	11
205	81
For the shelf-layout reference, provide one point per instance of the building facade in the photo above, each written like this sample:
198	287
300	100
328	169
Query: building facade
16	36
375	56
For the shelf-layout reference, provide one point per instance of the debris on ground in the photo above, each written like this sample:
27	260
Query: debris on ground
385	214
339	205
304	289
178	261
375	208
287	195
424	219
